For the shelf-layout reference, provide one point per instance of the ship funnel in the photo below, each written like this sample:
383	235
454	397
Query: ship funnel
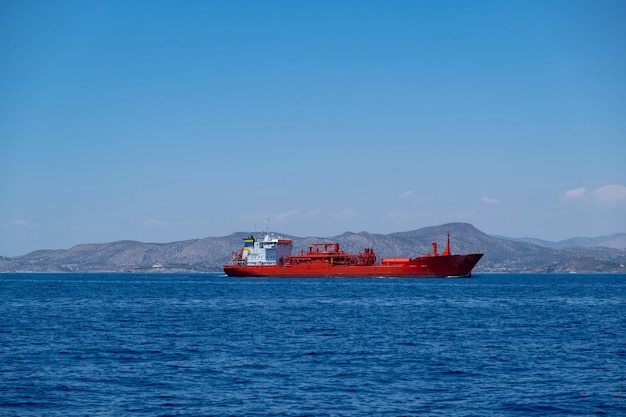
435	249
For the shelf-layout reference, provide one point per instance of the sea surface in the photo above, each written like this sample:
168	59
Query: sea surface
208	345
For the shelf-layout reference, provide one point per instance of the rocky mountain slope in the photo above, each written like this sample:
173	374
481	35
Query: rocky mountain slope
208	254
615	241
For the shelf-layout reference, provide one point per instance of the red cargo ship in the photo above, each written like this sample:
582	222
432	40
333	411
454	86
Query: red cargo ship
272	257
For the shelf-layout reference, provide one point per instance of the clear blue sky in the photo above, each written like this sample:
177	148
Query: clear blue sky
161	121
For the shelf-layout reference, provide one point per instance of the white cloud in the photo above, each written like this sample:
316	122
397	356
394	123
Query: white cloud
154	223
285	215
610	194
295	216
290	215
466	214
575	194
396	214
490	200
18	223
406	194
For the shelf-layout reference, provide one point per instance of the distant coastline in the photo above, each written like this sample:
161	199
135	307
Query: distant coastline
605	254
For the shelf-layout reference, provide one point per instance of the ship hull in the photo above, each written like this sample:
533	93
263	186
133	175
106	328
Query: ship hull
457	266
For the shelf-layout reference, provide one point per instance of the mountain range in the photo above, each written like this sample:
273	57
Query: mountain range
502	254
616	241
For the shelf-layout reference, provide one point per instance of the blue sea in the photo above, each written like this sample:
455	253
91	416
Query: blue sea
208	345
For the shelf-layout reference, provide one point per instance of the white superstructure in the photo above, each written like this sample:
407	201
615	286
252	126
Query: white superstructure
269	251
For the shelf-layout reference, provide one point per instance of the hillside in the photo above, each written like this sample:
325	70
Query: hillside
208	254
615	241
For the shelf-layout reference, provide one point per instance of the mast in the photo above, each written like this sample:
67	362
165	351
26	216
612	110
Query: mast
267	229
446	252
